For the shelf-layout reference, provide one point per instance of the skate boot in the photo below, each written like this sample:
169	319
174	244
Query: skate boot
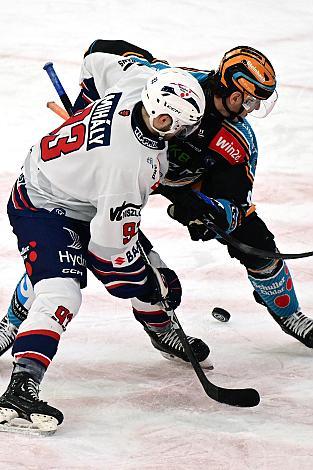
8	333
170	346
297	325
21	400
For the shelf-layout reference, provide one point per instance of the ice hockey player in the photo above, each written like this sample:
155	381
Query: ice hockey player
77	204
221	159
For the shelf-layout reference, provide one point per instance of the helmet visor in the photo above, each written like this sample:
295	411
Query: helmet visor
260	108
186	130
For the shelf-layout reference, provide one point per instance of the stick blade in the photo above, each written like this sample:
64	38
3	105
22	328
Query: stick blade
244	397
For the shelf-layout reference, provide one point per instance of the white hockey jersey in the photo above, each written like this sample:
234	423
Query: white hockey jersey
101	164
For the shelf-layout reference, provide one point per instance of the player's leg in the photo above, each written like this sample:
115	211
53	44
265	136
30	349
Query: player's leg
57	271
272	281
56	302
158	325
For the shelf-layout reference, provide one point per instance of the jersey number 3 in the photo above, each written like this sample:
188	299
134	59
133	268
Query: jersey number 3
54	146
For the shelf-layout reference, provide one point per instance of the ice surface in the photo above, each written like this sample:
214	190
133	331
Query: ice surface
127	408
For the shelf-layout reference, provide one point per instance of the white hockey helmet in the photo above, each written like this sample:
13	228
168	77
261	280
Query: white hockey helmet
175	92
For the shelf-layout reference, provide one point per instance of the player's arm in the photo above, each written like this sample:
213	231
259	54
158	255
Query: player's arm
126	49
99	72
90	79
229	181
118	47
115	247
235	151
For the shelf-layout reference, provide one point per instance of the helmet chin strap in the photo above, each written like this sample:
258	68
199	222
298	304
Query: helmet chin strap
232	114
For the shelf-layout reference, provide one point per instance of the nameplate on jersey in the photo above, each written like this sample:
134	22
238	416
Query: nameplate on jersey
149	142
99	129
228	146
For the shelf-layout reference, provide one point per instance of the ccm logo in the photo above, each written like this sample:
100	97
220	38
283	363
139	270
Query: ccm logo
71	271
228	146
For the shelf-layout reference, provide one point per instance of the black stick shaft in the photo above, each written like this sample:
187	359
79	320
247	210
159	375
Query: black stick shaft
243	397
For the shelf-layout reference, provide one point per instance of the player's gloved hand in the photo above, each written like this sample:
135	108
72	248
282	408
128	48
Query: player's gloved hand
163	285
198	231
193	207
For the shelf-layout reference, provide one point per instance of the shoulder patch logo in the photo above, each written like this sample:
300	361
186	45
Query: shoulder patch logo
124	112
227	145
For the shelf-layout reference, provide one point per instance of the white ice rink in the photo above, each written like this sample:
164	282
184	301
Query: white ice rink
125	407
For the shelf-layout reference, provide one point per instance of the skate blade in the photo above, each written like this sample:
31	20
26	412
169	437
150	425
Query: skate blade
40	425
26	429
206	364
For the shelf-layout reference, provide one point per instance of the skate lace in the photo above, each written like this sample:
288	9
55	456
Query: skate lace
299	324
7	333
33	389
172	340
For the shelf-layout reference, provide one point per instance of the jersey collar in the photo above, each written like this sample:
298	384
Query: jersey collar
142	133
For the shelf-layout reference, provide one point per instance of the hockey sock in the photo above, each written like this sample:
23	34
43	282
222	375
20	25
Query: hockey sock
152	317
276	290
56	302
21	301
32	367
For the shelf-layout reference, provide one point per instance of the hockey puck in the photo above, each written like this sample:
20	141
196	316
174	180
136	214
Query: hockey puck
220	314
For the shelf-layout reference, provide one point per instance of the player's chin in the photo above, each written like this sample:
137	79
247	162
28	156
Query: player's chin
169	136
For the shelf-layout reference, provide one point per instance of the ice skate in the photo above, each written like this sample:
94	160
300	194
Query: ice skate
8	333
21	400
297	325
170	346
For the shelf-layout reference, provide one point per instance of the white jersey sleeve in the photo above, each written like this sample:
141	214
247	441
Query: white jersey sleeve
108	69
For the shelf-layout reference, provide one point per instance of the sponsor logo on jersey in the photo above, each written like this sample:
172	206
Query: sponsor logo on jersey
228	146
125	63
72	271
99	129
74	260
75	238
29	255
155	186
124	112
119	260
127	209
127	257
155	170
58	211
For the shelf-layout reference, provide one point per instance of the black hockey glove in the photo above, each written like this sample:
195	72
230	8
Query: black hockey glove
192	207
164	285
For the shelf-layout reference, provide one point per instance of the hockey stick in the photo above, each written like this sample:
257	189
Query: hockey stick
242	397
243	247
250	250
58	110
48	67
